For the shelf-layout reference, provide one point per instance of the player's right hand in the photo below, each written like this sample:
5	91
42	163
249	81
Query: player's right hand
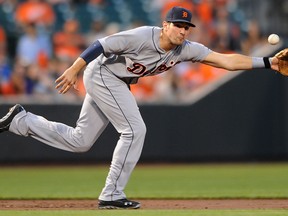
66	81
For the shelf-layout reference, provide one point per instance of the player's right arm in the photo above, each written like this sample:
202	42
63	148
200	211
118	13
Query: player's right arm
69	77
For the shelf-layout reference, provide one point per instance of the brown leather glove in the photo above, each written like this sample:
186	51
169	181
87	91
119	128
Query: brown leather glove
283	61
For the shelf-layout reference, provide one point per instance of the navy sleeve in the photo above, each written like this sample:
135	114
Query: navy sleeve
92	52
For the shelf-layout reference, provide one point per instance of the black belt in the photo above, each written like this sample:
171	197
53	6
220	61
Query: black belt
129	80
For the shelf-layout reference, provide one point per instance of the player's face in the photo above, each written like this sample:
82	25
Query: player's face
177	32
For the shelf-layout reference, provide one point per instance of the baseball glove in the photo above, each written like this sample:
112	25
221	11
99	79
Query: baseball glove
282	56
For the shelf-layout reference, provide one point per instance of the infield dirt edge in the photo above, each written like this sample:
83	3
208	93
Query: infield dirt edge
148	204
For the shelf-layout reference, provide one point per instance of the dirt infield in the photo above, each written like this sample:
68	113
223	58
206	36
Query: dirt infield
147	204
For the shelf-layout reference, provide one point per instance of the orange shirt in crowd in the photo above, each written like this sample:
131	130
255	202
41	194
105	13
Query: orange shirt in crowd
35	11
188	4
205	11
2	35
69	42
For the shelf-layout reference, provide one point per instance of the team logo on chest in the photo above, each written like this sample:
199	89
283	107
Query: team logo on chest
141	70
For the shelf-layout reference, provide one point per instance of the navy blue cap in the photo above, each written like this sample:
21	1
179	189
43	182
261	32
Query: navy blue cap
179	14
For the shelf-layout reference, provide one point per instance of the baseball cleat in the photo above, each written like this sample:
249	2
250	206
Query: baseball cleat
7	119
118	204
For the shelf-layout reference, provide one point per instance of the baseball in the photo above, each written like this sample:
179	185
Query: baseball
273	39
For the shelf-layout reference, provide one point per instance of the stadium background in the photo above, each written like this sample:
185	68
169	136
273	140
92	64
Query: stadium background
193	113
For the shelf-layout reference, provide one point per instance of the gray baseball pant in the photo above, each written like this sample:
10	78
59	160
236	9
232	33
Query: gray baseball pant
107	100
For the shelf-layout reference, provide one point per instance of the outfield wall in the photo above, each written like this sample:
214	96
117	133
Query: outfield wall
244	120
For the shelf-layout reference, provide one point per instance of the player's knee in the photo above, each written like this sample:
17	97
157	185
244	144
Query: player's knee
137	131
81	143
81	146
140	130
81	149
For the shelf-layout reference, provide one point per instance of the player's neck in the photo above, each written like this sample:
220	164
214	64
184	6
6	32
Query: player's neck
165	43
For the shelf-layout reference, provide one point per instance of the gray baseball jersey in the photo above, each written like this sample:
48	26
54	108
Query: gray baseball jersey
136	53
133	53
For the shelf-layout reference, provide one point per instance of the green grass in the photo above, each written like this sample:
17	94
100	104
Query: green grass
169	181
150	213
51	182
212	181
153	181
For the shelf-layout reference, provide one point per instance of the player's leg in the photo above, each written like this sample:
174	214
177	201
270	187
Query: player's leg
58	135
6	120
117	103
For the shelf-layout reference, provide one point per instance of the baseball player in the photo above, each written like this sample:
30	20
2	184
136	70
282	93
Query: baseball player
112	64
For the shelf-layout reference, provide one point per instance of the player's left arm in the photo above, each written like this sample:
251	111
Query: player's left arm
234	62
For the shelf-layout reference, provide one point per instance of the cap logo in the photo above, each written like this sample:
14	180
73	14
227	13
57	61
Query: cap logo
179	14
184	14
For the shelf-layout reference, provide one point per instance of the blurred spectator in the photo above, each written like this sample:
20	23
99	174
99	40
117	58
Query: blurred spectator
112	28
96	32
36	11
189	77
253	39
3	39
226	33
6	87
35	72
145	89
204	11
155	88
38	81
18	78
69	42
99	30
198	75
31	79
33	46
7	13
54	2
168	4
96	10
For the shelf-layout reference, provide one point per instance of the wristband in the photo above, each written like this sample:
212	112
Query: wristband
259	62
92	52
267	62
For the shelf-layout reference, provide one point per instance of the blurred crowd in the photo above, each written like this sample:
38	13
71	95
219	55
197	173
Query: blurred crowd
40	39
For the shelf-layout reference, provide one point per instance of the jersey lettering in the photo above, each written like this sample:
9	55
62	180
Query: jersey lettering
137	69
140	69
